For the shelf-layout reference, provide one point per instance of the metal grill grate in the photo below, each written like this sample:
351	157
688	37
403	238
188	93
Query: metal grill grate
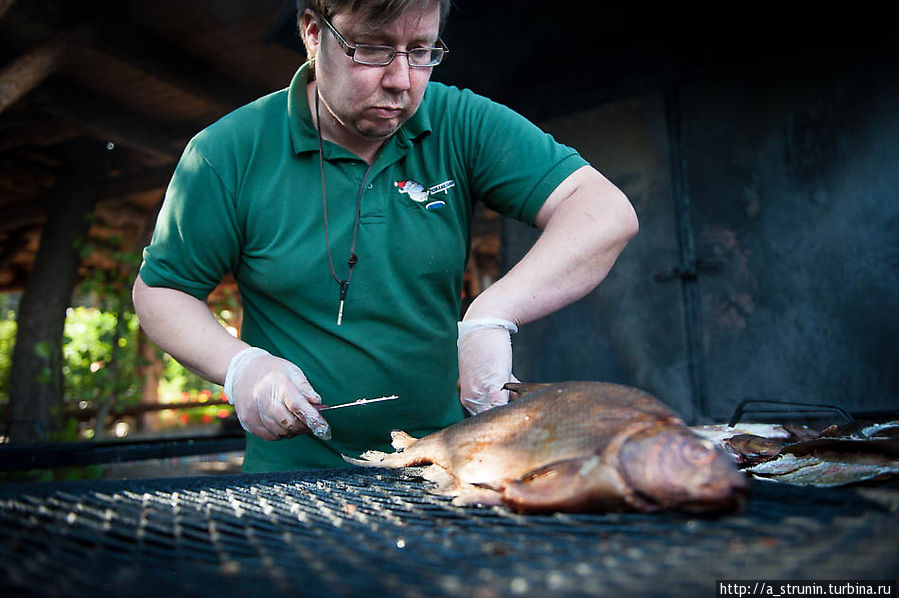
365	532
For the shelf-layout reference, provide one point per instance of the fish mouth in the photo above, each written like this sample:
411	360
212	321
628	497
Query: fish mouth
710	498
733	498
644	503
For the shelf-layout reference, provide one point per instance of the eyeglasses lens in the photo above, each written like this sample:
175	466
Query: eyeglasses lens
383	55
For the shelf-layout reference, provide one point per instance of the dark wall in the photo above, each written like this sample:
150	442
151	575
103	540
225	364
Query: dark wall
786	180
758	144
795	190
631	329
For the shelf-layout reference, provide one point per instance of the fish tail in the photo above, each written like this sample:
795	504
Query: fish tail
401	441
367	459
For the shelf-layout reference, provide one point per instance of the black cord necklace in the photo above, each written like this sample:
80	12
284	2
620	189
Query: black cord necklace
354	258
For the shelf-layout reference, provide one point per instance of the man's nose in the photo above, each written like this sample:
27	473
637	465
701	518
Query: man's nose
397	74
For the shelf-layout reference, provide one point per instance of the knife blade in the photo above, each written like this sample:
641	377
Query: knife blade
359	402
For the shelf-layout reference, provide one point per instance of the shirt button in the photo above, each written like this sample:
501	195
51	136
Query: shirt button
370	186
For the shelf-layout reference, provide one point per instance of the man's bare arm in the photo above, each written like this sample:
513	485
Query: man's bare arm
184	327
272	397
586	223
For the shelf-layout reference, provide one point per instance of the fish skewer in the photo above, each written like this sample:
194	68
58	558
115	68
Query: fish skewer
359	402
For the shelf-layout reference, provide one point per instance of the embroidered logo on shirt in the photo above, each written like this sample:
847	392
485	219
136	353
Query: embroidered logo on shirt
418	193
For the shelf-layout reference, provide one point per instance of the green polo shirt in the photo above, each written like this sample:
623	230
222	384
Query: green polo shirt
246	198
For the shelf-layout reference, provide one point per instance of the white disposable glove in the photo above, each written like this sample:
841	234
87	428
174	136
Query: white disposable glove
485	362
272	397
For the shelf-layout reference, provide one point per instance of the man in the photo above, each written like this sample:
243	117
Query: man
343	205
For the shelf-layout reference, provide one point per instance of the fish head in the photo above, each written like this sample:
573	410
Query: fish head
671	467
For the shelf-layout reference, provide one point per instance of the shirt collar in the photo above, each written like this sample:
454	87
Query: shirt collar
302	131
299	119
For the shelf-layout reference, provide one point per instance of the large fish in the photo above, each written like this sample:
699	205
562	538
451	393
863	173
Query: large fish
573	446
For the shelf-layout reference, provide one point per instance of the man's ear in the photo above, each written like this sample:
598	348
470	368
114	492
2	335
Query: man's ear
311	30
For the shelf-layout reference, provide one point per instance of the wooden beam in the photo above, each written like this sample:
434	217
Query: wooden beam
31	69
35	403
21	215
44	134
126	42
120	215
114	195
4	6
11	244
90	412
122	40
110	122
121	188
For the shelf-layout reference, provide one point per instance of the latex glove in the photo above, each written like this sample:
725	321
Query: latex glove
485	362
272	397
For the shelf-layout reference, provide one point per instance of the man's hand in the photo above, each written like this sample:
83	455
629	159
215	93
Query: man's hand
272	397
485	363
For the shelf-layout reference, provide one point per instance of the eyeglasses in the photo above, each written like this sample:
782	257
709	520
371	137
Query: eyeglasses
383	55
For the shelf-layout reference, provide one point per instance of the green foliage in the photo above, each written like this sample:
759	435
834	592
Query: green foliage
177	380
43	350
7	341
98	363
101	362
101	359
91	341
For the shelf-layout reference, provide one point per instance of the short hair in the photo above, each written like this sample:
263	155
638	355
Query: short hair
377	13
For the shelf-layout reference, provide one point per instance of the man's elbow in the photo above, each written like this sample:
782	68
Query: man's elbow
610	204
138	291
627	224
630	223
148	301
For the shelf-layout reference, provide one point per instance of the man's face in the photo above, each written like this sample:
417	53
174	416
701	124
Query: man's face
372	102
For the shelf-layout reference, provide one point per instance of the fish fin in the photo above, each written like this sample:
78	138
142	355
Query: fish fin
446	484
387	460
368	459
401	441
440	476
572	485
469	496
522	388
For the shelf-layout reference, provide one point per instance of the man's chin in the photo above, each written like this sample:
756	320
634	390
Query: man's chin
378	131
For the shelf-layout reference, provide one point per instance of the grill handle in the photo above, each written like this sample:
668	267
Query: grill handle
809	408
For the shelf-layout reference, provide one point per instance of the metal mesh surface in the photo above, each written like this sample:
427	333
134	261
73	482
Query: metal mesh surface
378	533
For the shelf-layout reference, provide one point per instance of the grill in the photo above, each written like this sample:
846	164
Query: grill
367	532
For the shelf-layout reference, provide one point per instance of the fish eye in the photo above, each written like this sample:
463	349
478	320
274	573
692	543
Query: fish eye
698	453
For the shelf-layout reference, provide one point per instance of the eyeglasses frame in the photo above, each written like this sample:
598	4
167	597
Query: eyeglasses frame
350	50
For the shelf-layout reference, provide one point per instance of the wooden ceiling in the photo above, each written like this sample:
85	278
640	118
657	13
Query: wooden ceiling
140	77
143	76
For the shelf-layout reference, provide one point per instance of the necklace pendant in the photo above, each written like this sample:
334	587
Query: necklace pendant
340	313
344	287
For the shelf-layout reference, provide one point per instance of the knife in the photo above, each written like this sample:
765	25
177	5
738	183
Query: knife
360	402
